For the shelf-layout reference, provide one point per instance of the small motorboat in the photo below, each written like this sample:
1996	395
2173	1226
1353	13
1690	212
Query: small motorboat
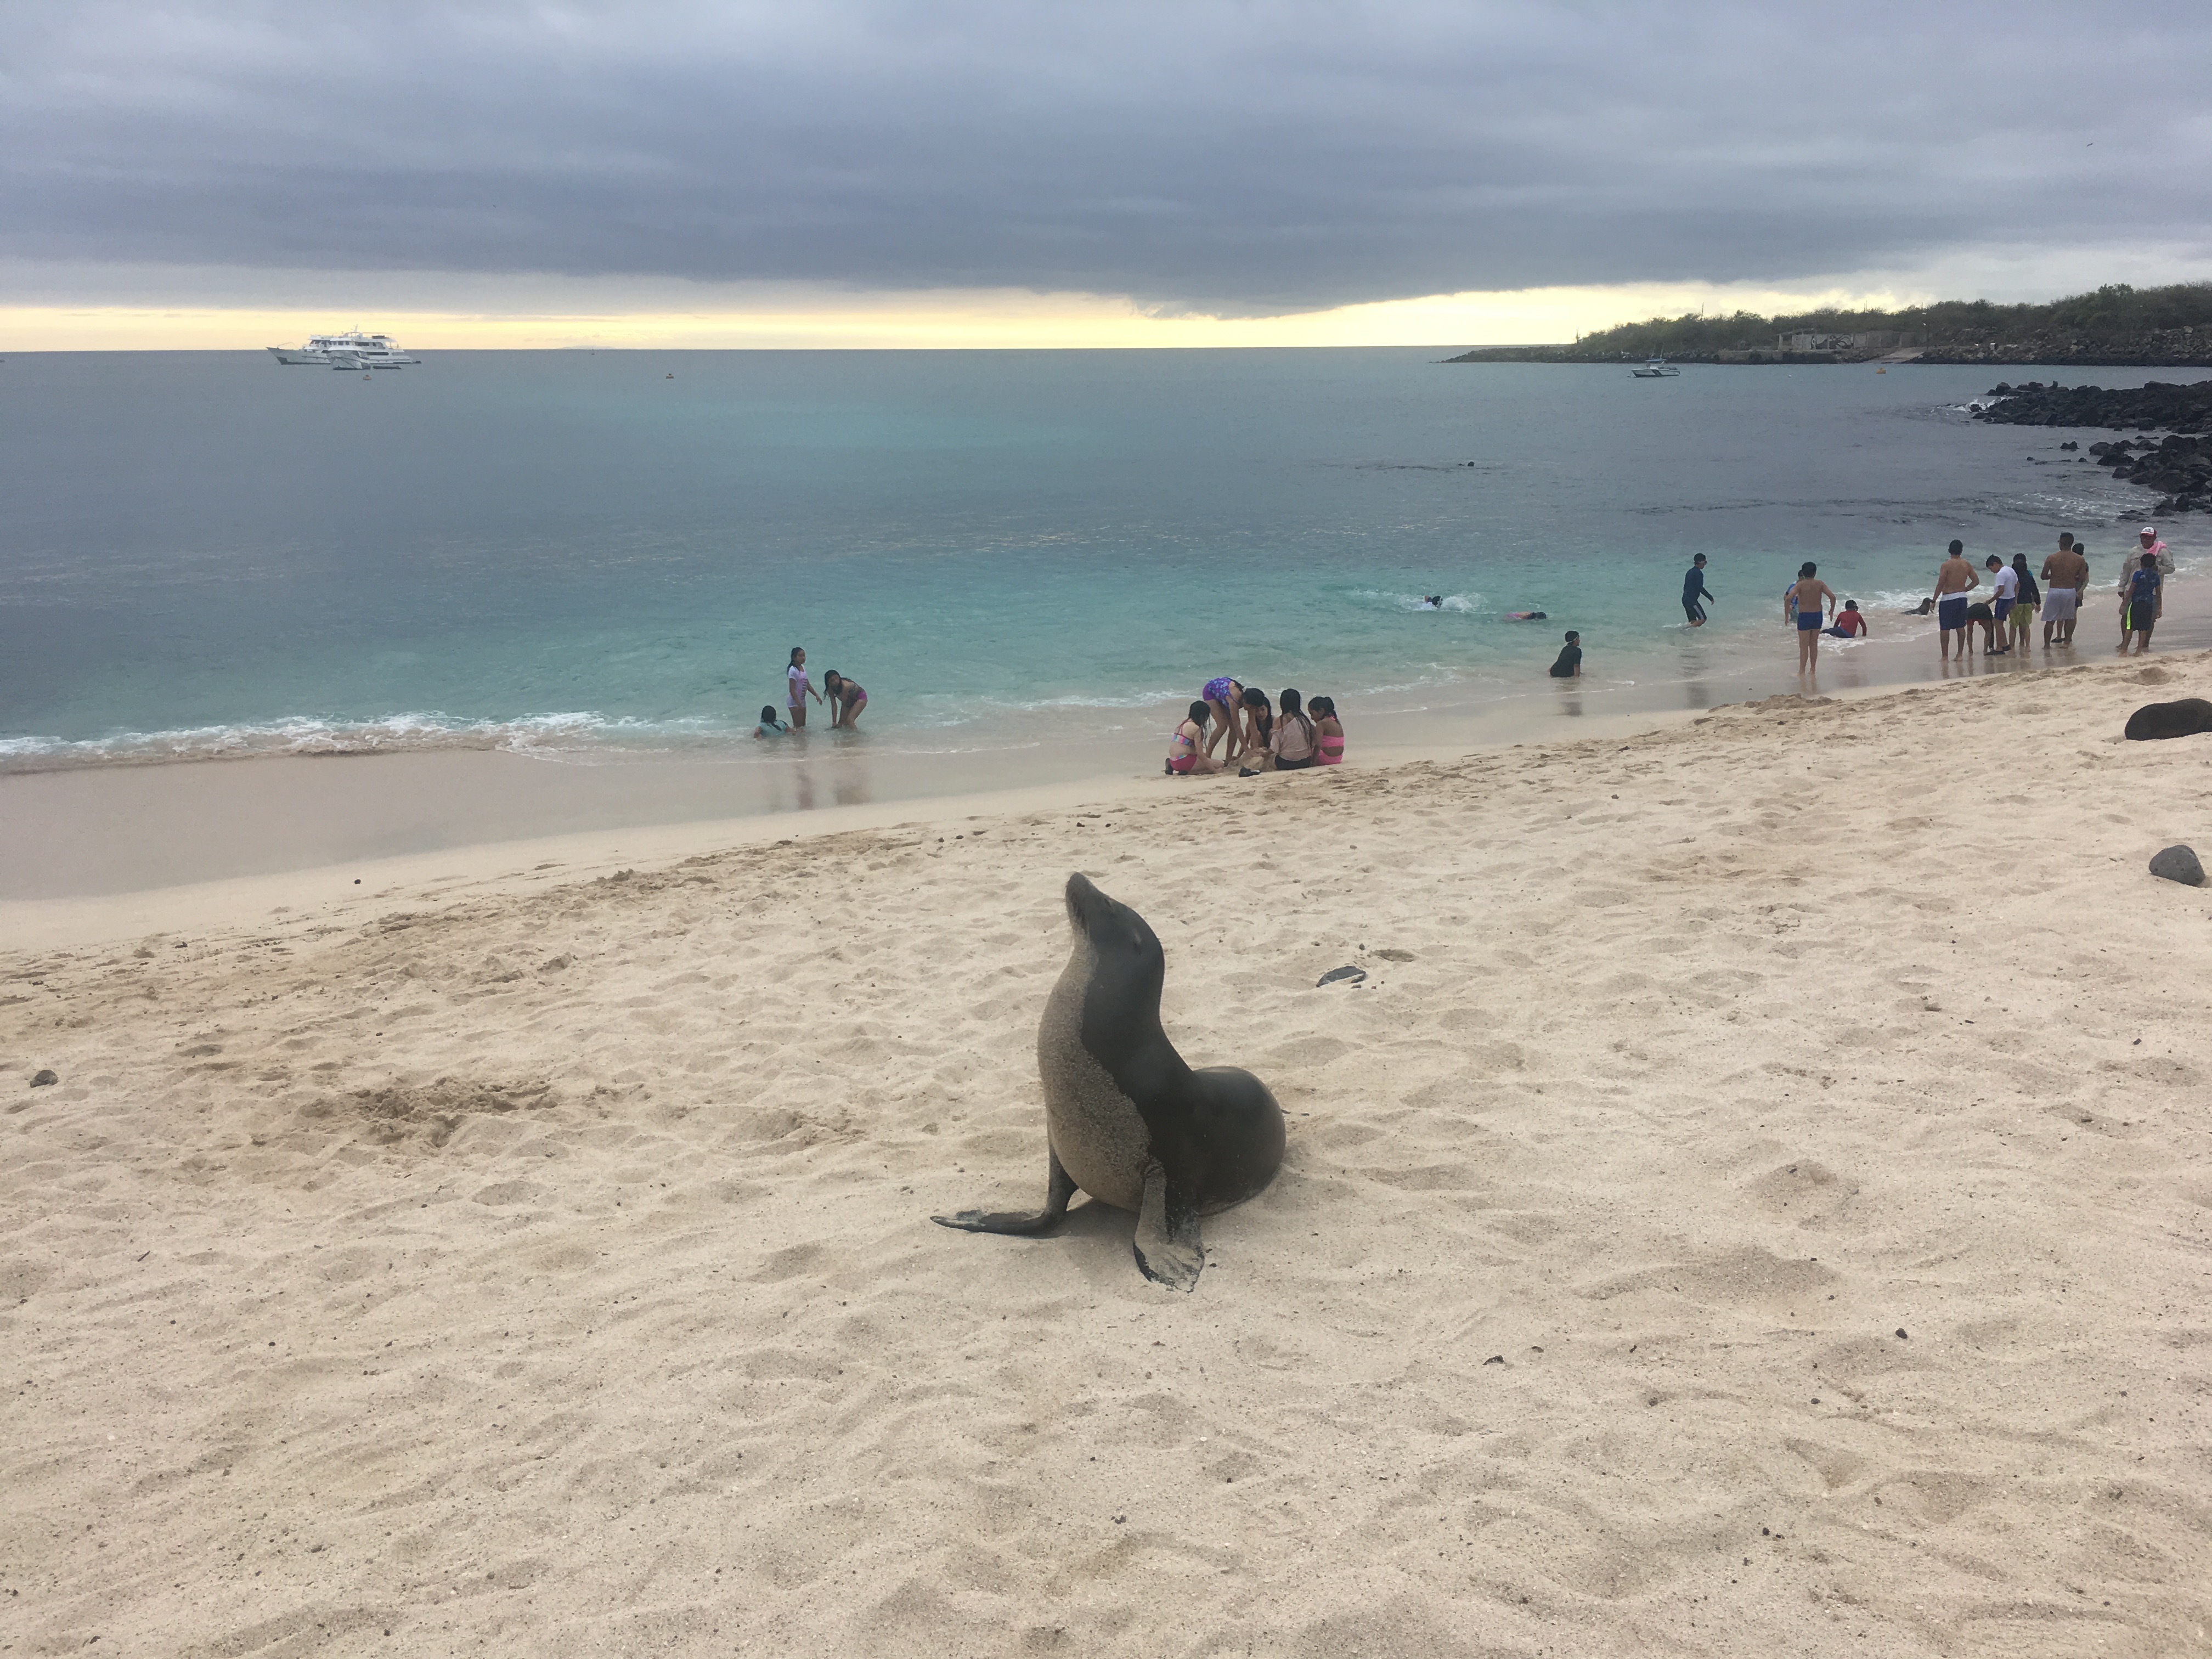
1658	369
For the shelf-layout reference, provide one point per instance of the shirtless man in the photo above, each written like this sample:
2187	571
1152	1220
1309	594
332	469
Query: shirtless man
1803	602
1953	583
2063	574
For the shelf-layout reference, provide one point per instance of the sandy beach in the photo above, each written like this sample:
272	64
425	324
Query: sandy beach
1758	1202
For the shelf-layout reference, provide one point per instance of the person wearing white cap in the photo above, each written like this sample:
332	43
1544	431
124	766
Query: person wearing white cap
2149	543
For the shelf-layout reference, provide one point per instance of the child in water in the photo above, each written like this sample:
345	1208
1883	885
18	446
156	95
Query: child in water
1570	663
1849	624
846	700
770	726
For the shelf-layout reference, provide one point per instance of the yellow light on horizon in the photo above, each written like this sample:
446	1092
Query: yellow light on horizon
1006	319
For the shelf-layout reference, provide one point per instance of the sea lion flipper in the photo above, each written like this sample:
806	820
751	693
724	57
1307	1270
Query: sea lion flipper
1167	1243
1058	1188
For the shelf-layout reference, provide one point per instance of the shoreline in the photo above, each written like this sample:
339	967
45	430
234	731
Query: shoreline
300	889
110	831
1748	1206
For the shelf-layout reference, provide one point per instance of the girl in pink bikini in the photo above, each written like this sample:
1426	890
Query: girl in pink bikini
1186	750
1328	732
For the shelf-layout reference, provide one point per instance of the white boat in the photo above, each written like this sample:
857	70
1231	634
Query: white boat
1658	369
350	350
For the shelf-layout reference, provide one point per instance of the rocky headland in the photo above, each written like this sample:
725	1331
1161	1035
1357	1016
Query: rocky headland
2179	465
2116	326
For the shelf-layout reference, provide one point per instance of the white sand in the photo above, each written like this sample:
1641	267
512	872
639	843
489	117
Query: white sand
548	1271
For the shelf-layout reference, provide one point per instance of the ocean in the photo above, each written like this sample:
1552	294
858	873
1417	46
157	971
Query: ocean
589	556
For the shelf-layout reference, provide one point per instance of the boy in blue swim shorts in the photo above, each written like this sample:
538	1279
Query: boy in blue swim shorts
1805	601
1953	583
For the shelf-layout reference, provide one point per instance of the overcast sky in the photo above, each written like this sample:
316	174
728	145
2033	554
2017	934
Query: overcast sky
1239	160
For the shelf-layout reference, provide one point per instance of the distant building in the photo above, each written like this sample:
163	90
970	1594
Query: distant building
1813	340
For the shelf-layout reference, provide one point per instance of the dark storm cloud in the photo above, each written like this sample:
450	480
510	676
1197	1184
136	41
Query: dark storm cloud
1230	158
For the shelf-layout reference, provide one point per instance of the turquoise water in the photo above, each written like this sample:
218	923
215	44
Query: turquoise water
210	554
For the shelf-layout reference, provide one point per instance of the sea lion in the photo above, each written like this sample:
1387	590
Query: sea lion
2185	719
1126	1120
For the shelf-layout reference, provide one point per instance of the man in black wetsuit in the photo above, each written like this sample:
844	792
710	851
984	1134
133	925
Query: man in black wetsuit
1694	589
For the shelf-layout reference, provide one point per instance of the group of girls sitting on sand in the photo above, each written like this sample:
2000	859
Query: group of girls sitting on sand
845	698
1258	738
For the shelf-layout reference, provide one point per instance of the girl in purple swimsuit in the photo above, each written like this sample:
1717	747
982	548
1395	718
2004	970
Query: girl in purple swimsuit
1224	701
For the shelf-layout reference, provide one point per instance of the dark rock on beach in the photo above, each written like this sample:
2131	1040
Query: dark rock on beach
2183	719
2179	864
42	1079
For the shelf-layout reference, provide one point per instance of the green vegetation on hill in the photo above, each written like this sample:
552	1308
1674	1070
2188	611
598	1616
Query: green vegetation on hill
2116	324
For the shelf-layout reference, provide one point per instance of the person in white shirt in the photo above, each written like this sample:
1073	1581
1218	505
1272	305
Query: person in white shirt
2147	541
2006	581
800	687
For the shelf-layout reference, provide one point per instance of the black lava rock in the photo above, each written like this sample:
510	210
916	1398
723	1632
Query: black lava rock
42	1079
2178	864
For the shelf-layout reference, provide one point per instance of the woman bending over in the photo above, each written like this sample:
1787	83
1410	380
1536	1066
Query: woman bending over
846	700
1224	701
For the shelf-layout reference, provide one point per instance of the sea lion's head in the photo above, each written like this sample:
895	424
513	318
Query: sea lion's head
1121	944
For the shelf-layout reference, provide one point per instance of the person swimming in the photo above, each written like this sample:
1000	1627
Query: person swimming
1430	602
1527	616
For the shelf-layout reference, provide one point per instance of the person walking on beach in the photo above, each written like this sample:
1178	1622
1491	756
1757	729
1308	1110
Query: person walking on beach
846	700
1953	583
2063	574
2027	598
798	687
1569	665
1812	602
1694	589
2142	602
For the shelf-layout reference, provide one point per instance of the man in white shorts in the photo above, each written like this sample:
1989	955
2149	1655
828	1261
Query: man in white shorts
2063	573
